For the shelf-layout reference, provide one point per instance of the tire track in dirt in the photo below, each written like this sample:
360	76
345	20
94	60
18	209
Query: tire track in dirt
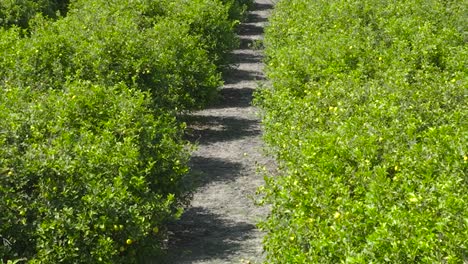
219	225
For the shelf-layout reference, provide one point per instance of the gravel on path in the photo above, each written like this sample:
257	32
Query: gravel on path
219	226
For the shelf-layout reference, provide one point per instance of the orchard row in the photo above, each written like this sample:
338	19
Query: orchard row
367	115
92	159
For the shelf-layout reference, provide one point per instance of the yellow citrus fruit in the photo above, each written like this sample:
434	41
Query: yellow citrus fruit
155	230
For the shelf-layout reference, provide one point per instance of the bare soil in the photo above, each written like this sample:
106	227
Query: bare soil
219	226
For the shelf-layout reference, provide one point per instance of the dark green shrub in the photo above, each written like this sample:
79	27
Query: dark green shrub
83	170
238	8
169	48
19	12
91	159
108	46
368	117
210	21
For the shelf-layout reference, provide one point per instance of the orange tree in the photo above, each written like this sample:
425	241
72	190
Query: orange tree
367	115
92	161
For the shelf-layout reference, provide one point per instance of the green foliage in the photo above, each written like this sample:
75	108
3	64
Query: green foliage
238	8
368	117
84	169
109	47
19	12
172	49
92	161
211	22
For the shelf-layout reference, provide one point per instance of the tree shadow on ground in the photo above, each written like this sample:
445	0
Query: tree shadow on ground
237	76
250	30
200	235
207	170
211	129
246	58
262	7
233	97
251	43
254	18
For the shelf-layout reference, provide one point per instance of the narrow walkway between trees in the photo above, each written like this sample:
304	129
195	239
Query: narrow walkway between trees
219	226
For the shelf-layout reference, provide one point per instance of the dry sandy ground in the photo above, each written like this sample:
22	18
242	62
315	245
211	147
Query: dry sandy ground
219	226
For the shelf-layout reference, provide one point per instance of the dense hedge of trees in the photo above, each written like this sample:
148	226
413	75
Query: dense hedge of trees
367	115
172	48
19	12
92	159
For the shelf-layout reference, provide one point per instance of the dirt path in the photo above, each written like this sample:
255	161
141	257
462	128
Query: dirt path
219	226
